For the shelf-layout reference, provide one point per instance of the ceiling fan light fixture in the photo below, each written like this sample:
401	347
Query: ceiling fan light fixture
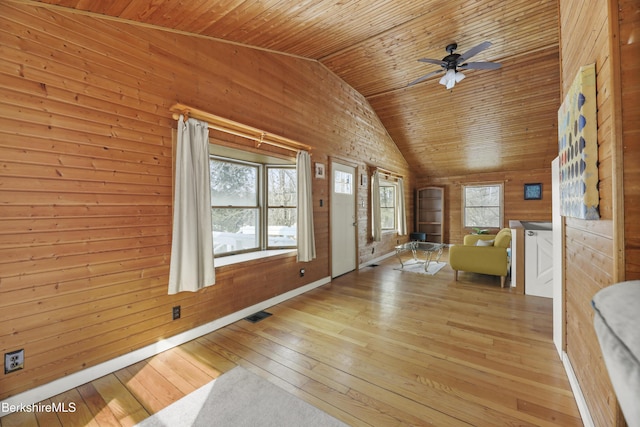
448	77
451	77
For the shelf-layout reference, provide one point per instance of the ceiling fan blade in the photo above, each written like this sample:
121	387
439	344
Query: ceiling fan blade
425	77
432	61
473	51
480	66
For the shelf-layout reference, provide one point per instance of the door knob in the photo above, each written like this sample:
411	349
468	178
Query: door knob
530	233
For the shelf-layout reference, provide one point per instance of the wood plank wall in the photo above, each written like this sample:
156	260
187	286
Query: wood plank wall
590	246
85	179
515	207
628	24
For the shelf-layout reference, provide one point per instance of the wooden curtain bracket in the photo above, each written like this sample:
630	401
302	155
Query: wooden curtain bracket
261	140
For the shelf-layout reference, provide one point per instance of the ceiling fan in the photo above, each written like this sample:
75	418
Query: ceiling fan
454	61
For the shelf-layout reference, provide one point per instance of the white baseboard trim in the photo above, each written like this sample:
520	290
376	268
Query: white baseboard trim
577	392
22	400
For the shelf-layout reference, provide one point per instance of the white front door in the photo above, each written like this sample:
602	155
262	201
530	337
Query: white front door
538	255
343	219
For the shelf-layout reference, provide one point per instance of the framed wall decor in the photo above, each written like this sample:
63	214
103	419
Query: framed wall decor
320	170
533	191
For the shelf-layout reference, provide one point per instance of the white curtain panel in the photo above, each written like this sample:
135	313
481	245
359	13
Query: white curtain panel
306	236
402	215
192	243
376	224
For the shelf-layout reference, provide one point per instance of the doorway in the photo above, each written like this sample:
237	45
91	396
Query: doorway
343	219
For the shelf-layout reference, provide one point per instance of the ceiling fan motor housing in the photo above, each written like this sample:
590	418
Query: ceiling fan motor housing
450	61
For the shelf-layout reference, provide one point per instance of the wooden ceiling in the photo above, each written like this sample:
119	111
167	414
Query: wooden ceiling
494	120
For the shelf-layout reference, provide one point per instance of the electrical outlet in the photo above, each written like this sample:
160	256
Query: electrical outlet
302	272
176	312
13	361
373	250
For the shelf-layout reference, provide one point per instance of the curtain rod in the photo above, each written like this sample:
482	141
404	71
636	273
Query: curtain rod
388	172
238	129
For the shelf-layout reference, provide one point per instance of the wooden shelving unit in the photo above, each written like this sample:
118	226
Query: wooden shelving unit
429	212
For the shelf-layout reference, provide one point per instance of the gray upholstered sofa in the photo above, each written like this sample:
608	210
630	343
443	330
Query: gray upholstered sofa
617	325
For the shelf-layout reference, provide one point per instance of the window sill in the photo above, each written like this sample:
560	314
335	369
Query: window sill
251	256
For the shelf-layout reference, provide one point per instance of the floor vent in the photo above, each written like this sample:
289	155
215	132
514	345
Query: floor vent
373	265
256	317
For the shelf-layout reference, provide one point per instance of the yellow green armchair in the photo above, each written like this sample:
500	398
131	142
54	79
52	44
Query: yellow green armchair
488	257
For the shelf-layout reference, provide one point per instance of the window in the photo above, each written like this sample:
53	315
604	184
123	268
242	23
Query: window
482	206
281	209
235	209
387	206
253	206
342	183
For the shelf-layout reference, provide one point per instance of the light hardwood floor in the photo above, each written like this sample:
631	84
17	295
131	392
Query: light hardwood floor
376	347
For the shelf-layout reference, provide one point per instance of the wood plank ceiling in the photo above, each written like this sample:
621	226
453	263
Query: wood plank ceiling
494	120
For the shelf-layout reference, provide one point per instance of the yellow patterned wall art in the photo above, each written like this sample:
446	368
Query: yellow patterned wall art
578	148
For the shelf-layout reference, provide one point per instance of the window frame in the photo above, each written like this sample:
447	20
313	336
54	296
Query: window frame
268	206
262	203
394	186
500	186
256	207
386	182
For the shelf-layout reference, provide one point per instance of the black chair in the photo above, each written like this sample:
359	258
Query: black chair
418	237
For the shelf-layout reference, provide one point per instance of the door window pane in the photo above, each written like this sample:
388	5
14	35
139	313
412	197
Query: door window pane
342	182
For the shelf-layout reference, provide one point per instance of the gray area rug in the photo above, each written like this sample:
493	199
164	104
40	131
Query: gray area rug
240	398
